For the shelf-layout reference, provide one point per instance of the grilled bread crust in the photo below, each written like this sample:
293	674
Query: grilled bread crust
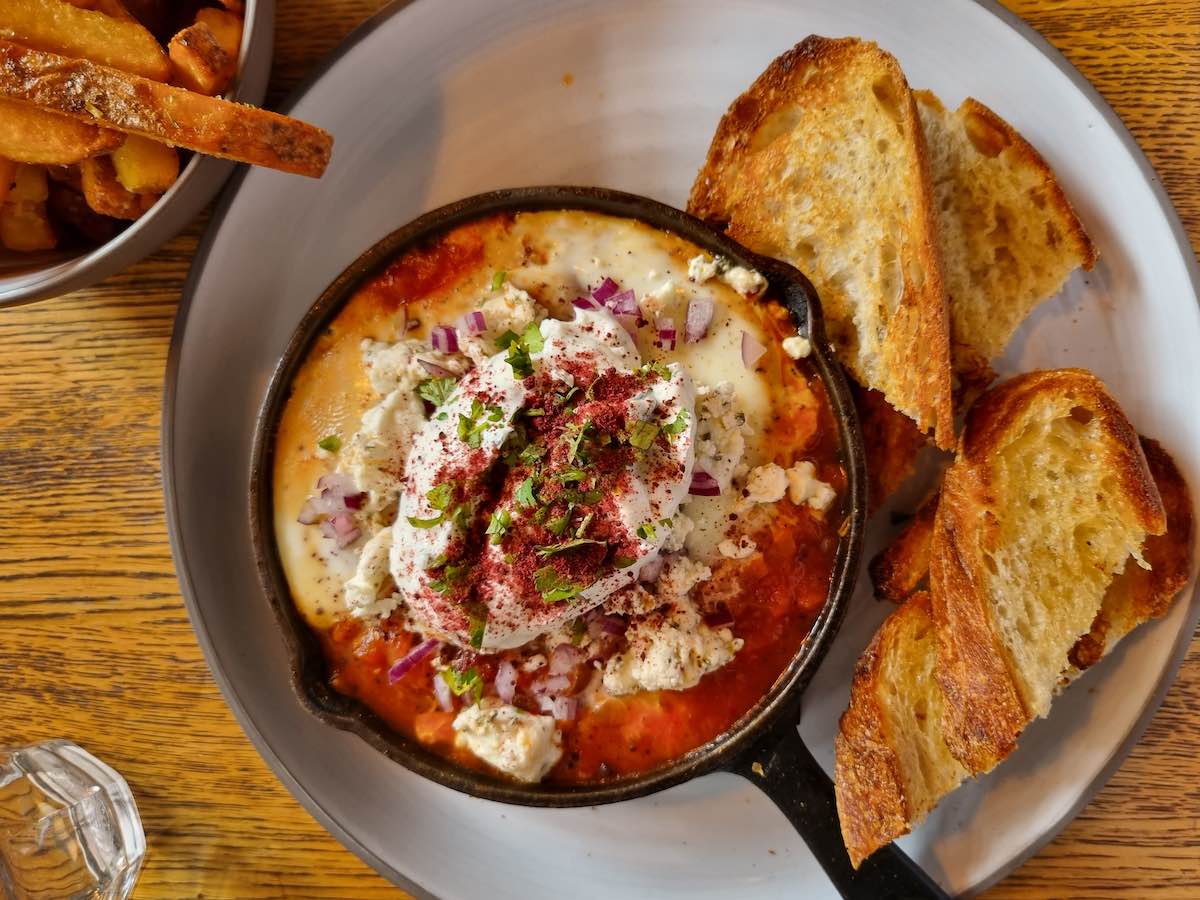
822	162
1049	477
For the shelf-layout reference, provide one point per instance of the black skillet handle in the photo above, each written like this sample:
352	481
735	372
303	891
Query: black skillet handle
782	767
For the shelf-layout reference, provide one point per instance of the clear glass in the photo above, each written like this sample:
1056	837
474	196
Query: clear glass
69	829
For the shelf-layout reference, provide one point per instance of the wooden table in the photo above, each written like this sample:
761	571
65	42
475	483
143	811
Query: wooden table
97	645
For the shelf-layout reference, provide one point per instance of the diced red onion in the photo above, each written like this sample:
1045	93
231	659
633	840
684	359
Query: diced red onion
506	681
345	529
752	350
666	333
355	501
409	661
475	322
699	317
435	370
562	708
550	685
650	571
624	304
587	303
601	624
703	484
444	338
607	288
441	691
564	658
337	484
310	512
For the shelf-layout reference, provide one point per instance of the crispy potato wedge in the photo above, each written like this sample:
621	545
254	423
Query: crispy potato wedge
106	96
57	27
113	8
32	135
226	27
144	166
8	174
199	62
28	185
107	196
26	227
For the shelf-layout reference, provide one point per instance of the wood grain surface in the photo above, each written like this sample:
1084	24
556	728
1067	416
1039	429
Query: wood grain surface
97	645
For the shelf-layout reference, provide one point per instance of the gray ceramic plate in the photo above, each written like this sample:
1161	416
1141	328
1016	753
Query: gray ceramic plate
426	111
59	273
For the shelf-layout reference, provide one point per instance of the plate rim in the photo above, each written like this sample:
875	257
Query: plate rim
179	556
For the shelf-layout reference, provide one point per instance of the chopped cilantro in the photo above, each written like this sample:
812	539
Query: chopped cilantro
646	531
578	630
477	627
575	437
426	523
506	340
498	280
653	368
441	496
535	412
624	562
642	435
678	424
436	390
437	562
451	575
472	427
552	586
461	517
524	493
462	682
518	358
551	549
532	338
558	525
571	476
331	443
583	498
531	454
499	524
587	520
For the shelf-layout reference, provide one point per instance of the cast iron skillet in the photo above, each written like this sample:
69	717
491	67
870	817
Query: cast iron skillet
764	746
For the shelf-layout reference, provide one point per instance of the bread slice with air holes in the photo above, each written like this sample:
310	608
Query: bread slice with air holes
822	163
1048	499
1007	234
892	764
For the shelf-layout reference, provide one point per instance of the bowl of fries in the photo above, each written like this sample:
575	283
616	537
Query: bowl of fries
117	127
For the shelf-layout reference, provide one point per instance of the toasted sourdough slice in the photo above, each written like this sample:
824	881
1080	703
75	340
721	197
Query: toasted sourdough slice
892	764
822	163
1008	236
1135	596
1049	496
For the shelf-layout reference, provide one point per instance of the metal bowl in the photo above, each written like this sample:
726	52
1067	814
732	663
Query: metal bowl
763	745
25	278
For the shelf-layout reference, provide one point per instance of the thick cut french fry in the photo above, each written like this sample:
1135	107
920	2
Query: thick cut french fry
106	195
25	227
8	174
145	166
113	8
199	62
105	96
226	26
58	27
28	185
32	135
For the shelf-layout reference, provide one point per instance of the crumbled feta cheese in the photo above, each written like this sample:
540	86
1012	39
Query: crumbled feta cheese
657	300
681	527
679	575
670	650
518	743
745	281
510	309
701	268
743	547
634	600
805	487
361	591
721	432
394	367
797	347
766	484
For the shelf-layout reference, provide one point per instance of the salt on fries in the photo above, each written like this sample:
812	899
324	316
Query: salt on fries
89	124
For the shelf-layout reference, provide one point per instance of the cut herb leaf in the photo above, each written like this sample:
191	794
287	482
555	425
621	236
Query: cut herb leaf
506	340
623	562
551	549
532	338
477	627
646	531
436	390
499	524
426	523
441	496
498	280
678	424
642	435
463	682
571	476
552	586
331	443
524	493
451	576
